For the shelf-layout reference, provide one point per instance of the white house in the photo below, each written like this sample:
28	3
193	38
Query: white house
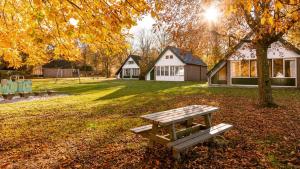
239	66
130	69
175	64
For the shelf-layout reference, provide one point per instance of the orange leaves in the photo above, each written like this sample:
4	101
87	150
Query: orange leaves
31	26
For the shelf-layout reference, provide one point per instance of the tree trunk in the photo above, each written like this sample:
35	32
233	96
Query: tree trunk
264	81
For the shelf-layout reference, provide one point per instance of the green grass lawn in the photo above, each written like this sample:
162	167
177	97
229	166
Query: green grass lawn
90	126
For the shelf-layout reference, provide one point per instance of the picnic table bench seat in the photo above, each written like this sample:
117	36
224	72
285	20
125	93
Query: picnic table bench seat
196	138
142	129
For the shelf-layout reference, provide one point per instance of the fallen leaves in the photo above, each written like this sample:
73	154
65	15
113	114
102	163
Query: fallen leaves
261	138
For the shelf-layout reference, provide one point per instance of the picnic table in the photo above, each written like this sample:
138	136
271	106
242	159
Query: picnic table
176	128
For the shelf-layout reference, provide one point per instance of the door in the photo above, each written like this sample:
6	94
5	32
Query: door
152	74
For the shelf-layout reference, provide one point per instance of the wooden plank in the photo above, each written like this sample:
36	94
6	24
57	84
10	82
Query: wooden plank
189	123
172	110
175	111
189	130
207	119
152	135
181	113
201	138
172	132
165	120
142	128
184	114
182	118
199	133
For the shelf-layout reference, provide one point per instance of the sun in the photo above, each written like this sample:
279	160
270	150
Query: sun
211	14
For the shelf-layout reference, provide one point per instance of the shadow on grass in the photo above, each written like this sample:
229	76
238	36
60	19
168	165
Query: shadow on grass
140	88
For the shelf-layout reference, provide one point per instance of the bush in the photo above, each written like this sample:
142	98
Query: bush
86	68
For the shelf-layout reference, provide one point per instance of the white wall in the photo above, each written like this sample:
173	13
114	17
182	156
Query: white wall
148	75
169	62
127	65
277	50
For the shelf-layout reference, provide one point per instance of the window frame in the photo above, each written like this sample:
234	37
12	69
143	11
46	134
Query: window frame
271	72
172	70
295	68
167	70
157	70
162	71
130	62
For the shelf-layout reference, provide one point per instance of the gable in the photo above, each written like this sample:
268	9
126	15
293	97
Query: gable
130	63
162	61
276	50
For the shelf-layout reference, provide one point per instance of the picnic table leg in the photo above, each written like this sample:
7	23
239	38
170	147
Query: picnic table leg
189	123
208	123
153	134
172	132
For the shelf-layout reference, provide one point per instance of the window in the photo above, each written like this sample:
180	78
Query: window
166	70
126	72
171	56
179	70
278	68
157	71
167	57
290	70
235	69
162	70
136	72
130	62
223	73
253	69
245	68
270	67
172	72
176	70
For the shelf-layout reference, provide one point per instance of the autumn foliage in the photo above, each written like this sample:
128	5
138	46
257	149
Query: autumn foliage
44	29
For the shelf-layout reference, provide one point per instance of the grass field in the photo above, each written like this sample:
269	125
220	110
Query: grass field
89	128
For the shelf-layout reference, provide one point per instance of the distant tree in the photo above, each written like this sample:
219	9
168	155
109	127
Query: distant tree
145	43
162	38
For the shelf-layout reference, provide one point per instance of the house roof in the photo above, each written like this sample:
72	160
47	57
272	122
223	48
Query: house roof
185	56
136	59
287	44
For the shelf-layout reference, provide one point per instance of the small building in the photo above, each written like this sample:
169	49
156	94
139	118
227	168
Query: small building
175	64
59	69
130	69
239	68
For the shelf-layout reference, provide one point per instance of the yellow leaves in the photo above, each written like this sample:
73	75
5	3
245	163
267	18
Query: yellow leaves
271	21
263	20
12	57
31	26
278	5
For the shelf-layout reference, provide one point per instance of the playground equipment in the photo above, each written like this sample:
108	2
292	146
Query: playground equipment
16	85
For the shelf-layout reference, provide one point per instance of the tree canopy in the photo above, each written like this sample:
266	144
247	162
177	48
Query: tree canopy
47	29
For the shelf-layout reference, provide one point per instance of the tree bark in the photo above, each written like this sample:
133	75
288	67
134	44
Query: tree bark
264	81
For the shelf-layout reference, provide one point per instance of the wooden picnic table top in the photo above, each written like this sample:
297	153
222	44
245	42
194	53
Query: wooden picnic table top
180	114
